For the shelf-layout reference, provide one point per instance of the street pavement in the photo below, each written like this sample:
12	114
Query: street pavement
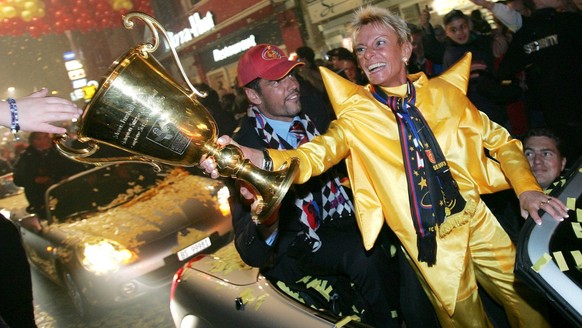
53	309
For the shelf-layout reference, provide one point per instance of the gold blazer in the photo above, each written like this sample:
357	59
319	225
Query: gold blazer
365	133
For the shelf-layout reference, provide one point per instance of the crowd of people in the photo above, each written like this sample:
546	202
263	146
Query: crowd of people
423	108
391	130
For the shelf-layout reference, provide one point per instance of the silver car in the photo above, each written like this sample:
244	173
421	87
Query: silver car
549	256
114	233
220	290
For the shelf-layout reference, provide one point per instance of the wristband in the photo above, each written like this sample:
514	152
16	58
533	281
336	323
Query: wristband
14	124
267	161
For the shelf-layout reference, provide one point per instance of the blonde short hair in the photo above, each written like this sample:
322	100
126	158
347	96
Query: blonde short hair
382	18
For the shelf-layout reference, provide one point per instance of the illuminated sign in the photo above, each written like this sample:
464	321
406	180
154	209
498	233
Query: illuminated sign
76	74
69	55
73	65
234	49
198	26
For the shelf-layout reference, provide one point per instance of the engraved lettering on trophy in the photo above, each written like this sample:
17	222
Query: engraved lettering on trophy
139	129
132	126
122	122
126	137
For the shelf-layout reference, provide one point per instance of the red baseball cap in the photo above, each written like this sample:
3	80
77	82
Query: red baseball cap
264	61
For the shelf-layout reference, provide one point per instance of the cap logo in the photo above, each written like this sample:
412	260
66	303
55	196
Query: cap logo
271	54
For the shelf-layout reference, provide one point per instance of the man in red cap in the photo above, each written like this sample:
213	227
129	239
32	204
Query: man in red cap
314	232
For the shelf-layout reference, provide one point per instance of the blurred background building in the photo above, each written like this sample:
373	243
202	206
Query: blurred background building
68	45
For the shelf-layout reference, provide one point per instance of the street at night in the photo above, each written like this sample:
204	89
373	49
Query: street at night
53	309
290	163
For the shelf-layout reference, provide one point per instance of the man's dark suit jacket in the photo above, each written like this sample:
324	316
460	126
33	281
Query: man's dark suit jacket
274	260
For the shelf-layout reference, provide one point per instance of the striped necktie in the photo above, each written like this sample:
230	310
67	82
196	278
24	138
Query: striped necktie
298	130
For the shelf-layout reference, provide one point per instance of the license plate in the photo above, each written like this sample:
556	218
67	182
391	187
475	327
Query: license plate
194	248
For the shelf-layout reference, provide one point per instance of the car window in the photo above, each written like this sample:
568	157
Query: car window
99	189
548	255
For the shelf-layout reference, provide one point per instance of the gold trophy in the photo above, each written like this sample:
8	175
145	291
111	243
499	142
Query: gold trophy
140	109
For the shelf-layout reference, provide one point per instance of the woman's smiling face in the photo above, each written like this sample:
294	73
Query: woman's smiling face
381	56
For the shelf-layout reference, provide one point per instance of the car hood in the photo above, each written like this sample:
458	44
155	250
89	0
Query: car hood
182	202
14	206
225	265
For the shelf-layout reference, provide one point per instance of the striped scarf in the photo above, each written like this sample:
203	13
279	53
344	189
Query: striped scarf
433	192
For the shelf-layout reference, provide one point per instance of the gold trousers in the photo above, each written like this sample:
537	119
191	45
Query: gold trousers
491	265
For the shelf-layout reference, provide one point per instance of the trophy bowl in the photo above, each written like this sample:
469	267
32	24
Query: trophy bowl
140	109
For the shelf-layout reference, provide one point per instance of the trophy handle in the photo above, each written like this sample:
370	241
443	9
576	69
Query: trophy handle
82	154
148	48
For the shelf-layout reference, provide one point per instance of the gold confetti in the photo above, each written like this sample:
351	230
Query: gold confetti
577	229
541	262
559	257
577	255
571	203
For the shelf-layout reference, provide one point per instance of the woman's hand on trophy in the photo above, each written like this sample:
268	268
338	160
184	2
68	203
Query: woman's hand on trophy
35	111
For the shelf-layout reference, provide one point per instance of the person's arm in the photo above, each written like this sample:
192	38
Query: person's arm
433	49
499	43
37	110
250	240
316	156
514	60
507	16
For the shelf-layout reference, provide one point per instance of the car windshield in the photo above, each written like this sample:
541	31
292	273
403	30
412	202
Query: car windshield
99	189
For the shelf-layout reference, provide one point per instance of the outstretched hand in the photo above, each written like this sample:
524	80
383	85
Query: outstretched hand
36	111
533	201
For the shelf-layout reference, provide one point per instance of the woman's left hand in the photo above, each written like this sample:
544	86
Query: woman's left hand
533	201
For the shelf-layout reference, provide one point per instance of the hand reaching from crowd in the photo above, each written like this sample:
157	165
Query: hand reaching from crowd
36	111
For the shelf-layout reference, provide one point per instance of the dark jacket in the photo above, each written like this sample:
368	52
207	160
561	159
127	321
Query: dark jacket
32	164
549	48
478	45
273	260
484	90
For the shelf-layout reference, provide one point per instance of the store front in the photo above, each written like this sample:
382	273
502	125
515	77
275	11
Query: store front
333	17
220	58
212	37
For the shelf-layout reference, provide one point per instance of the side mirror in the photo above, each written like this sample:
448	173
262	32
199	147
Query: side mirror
31	223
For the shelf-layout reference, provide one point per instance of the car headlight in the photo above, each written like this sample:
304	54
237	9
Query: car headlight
223	204
102	256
